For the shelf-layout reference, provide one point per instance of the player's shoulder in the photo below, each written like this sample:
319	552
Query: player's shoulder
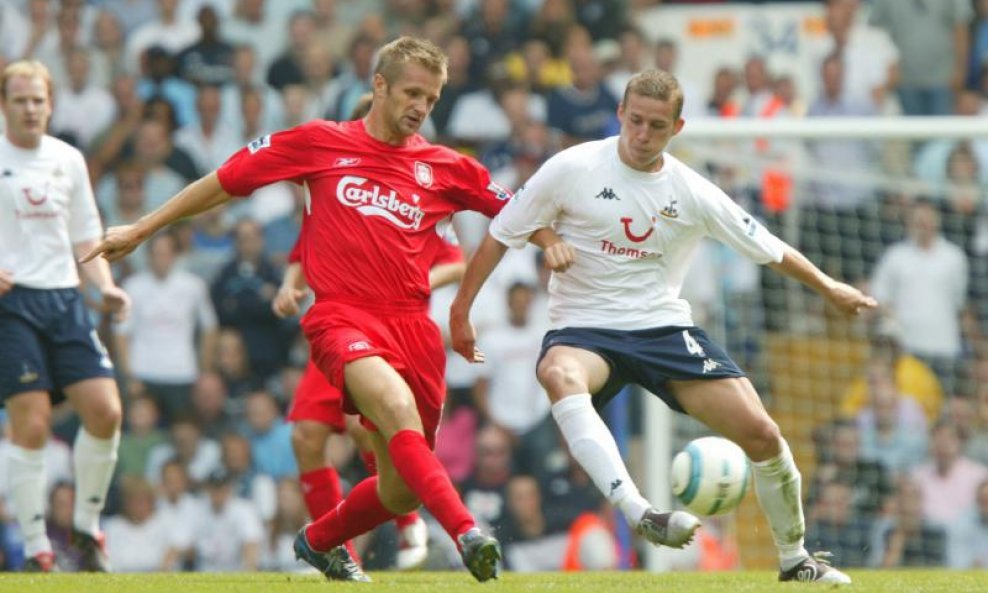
57	148
582	158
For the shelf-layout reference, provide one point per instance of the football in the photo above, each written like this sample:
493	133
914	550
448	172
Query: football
710	476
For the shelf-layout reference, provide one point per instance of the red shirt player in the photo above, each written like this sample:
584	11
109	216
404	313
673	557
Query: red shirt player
317	411
377	190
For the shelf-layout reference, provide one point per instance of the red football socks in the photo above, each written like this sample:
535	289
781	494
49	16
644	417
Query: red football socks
427	478
321	491
359	512
370	462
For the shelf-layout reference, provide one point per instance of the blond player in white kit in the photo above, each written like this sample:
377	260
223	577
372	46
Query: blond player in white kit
48	345
630	216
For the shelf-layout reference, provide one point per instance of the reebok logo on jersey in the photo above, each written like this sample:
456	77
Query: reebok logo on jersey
358	346
346	161
370	200
259	143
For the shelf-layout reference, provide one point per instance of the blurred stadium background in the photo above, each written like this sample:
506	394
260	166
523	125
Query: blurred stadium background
855	129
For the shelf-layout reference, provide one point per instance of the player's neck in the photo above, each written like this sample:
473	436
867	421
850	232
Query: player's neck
653	167
378	129
24	142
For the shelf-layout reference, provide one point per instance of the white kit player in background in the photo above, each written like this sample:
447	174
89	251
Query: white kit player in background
630	216
48	344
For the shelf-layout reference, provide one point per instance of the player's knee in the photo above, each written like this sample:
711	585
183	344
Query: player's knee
559	377
308	441
102	417
764	440
399	501
32	432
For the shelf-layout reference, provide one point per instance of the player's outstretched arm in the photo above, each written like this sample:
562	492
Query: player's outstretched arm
845	297
461	331
199	196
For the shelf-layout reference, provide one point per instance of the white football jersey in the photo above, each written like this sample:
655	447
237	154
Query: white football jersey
46	206
634	234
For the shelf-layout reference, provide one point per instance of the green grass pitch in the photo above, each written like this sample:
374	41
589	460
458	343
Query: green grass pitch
900	581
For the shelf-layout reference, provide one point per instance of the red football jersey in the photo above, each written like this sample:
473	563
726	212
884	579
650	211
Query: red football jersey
371	208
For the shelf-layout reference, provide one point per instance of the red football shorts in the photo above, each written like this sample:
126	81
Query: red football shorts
408	340
318	401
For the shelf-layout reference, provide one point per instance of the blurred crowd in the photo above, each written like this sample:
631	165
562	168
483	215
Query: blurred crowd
158	92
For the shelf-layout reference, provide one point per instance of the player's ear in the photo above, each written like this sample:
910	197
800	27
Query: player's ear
380	86
678	127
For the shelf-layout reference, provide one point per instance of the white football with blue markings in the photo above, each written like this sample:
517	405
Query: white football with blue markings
710	476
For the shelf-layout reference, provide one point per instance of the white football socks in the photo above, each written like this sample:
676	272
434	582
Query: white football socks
778	484
94	461
593	446
26	475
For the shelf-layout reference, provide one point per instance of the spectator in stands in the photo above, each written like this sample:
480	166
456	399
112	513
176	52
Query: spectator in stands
107	54
760	100
59	527
932	160
140	436
288	67
156	346
139	539
210	406
484	491
250	26
492	113
55	45
509	395
722	102
158	77
968	536
288	519
493	31
921	284
950	479
355	79
208	141
551	25
531	542
83	110
585	109
331	29
242	294
198	455
908	539
872	487
319	79
833	524
458	82
130	201
913	378
977	442
870	58
233	364
246	79
934	64
208	61
635	56
167	31
176	505
228	533
270	437
892	426
108	148
167	168
667	58
249	482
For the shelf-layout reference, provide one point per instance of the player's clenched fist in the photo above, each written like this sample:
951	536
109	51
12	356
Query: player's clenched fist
285	303
560	256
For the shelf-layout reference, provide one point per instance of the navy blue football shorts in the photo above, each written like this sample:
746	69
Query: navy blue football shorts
47	342
648	357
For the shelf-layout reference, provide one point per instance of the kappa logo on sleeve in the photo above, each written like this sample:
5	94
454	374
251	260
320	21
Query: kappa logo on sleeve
259	143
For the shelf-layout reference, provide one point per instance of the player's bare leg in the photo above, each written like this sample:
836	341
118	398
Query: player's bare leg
30	418
413	534
569	376
94	456
732	408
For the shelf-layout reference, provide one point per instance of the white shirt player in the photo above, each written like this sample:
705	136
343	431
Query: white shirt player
634	234
46	206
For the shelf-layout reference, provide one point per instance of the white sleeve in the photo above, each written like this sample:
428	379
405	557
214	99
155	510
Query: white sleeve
535	206
731	225
84	222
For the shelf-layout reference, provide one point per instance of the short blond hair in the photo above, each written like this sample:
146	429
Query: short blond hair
656	84
393	57
27	69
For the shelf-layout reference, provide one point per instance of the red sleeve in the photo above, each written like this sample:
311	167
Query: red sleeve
474	189
448	253
281	156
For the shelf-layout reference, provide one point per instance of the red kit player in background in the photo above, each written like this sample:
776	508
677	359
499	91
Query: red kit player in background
377	190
